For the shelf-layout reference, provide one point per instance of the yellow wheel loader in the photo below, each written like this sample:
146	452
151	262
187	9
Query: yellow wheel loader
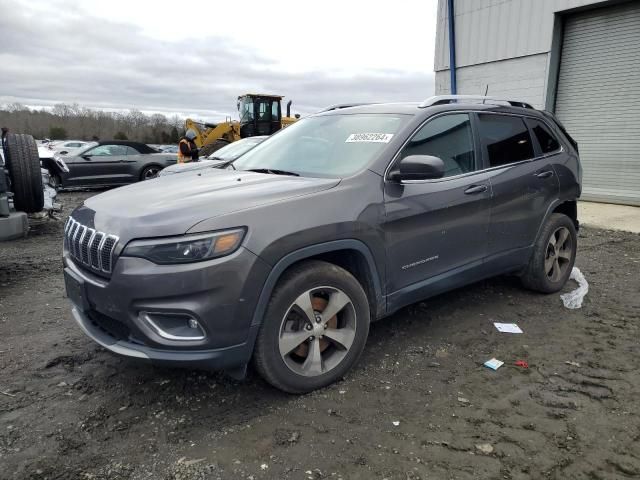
259	115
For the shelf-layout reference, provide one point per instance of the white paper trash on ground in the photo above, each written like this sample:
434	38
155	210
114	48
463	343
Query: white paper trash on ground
574	298
507	327
493	364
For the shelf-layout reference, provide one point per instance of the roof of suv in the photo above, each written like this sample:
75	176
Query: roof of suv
443	102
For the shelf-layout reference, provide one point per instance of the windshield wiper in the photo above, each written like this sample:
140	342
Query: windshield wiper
273	171
228	163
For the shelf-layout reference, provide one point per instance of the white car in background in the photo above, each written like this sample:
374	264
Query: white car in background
64	147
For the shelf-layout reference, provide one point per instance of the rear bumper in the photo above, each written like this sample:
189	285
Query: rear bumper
217	359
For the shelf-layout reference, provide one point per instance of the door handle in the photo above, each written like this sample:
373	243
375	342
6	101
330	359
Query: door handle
475	189
545	174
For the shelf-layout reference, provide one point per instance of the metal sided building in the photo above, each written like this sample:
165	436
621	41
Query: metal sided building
577	58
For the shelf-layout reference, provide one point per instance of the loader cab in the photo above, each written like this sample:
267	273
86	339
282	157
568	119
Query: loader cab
259	114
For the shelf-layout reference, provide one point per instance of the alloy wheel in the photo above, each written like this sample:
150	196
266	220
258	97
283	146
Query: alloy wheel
558	254
317	331
151	172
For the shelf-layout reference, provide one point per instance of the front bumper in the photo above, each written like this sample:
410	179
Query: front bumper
220	294
217	359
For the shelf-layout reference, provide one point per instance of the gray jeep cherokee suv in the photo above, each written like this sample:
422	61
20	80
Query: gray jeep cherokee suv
285	256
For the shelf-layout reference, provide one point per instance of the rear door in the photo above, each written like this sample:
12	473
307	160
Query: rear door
523	181
436	226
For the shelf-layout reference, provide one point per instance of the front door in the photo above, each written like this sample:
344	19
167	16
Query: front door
101	165
436	227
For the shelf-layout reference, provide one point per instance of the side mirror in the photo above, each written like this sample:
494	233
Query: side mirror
86	157
417	167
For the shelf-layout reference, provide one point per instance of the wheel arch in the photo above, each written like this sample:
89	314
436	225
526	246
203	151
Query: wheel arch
350	254
564	206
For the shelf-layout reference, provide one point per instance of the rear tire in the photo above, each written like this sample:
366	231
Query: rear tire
150	172
554	254
297	349
24	171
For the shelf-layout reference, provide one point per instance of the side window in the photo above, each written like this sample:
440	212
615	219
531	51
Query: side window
547	141
274	110
505	137
448	137
131	150
107	151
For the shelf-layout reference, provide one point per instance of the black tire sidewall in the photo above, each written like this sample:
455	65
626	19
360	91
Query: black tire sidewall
24	171
316	274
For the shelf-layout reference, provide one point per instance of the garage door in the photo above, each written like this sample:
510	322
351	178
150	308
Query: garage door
598	99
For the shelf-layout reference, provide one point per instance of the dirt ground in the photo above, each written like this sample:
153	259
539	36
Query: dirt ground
419	405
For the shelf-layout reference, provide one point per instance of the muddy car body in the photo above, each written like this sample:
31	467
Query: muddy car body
334	222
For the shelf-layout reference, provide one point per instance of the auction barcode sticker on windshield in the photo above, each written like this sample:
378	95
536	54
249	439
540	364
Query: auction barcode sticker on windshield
369	137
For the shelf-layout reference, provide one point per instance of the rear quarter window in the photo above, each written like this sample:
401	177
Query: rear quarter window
546	139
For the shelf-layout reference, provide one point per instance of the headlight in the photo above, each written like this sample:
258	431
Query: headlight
186	249
61	163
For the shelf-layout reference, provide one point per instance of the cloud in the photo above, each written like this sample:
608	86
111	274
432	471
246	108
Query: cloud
59	54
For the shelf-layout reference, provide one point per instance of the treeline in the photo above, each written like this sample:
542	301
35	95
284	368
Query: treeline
76	122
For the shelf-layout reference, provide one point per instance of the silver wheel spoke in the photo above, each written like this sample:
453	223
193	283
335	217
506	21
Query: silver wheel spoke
313	364
548	265
337	301
289	341
563	234
566	254
556	270
552	240
342	337
303	302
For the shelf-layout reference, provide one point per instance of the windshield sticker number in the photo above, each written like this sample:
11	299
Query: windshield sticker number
369	137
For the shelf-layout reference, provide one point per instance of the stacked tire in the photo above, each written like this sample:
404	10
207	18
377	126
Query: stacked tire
23	163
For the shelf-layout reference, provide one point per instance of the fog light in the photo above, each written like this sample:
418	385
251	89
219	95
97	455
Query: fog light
174	326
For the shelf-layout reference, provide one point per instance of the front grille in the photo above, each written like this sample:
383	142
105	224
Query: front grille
89	247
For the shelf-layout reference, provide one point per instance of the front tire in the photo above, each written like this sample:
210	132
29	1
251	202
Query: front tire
553	255
54	180
314	330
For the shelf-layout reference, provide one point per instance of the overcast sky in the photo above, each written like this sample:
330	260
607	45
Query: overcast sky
194	58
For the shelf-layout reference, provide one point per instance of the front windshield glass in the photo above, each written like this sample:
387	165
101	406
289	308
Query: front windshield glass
233	150
245	109
324	146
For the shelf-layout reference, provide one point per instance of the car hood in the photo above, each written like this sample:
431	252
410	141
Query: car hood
172	205
188	167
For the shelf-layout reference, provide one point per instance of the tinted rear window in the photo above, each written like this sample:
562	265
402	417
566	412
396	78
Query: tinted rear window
505	137
548	142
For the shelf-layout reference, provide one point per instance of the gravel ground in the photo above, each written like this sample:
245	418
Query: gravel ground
419	405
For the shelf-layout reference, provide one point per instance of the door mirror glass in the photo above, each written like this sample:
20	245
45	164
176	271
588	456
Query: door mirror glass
418	167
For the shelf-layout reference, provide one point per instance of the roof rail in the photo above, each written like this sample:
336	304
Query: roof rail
339	106
446	99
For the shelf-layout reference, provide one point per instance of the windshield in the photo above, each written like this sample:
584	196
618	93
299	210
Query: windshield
324	146
245	109
235	149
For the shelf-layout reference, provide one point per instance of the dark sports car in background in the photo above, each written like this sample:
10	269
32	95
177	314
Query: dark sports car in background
109	163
